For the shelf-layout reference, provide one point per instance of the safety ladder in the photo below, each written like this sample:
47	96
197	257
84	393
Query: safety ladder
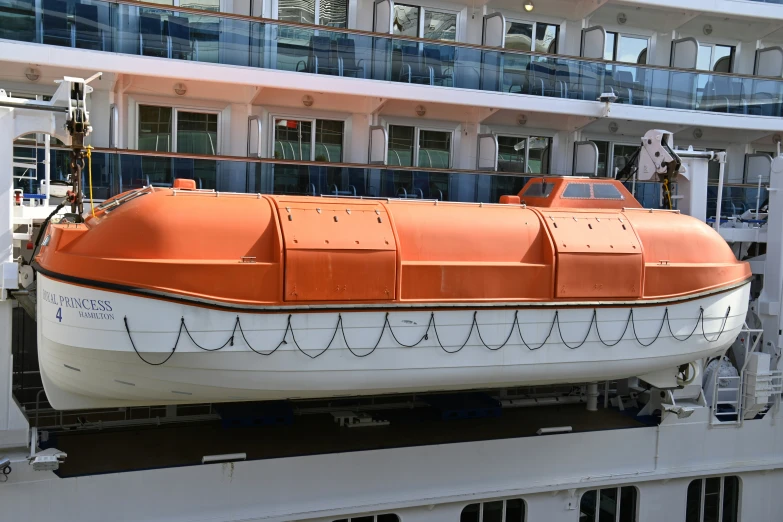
728	392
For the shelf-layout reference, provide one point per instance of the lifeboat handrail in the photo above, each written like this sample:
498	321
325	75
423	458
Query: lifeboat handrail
651	210
431	325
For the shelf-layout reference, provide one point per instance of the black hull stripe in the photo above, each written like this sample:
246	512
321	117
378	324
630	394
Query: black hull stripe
217	305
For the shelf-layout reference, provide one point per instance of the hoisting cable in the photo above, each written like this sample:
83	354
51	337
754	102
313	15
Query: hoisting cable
89	176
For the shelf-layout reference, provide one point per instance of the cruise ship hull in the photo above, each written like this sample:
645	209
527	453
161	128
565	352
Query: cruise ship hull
100	348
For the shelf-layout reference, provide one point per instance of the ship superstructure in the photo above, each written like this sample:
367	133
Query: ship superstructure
483	288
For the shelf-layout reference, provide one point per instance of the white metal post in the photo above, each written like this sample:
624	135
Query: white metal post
769	300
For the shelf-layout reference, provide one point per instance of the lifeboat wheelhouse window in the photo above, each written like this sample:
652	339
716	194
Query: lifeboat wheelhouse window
581	190
606	191
609	504
577	191
539	190
510	510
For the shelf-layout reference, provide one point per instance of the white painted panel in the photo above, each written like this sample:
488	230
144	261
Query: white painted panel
382	22
254	137
757	166
494	34
684	53
487	157
769	62
379	145
593	41
585	159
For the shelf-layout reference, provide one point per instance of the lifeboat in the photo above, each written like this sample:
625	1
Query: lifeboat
177	295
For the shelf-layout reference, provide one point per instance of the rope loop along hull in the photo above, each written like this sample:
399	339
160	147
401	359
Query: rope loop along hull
104	348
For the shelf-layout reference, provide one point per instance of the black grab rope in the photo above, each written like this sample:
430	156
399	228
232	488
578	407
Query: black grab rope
515	324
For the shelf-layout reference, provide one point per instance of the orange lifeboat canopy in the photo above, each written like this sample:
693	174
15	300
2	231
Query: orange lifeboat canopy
574	192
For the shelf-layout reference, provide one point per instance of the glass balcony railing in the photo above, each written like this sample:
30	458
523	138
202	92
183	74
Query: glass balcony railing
187	34
737	200
115	171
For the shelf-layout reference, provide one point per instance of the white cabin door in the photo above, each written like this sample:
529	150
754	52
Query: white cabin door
585	159
493	35
757	166
769	62
379	145
487	156
593	42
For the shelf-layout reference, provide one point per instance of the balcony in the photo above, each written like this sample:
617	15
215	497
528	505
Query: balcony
115	171
200	36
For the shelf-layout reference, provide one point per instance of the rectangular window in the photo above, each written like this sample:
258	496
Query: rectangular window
625	48
331	13
155	128
714	499
415	147
519	35
714	57
423	22
434	149
609	505
511	510
197	132
308	140
401	142
524	154
169	129
546	38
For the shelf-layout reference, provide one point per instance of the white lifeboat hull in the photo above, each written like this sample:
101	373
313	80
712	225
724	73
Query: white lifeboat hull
87	355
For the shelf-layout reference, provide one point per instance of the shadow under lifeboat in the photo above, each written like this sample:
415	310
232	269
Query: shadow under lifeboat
179	295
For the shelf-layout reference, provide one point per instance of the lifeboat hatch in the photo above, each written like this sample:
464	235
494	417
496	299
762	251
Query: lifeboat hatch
337	251
598	255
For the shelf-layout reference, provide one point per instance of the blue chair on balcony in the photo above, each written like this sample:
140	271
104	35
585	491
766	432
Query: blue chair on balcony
87	32
322	59
590	81
542	79
55	28
180	44
433	59
413	69
624	87
152	41
346	54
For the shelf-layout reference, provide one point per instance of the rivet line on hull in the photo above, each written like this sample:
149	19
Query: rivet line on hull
339	327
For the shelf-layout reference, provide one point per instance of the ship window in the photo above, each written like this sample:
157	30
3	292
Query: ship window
386	517
524	154
422	22
415	147
625	48
606	191
169	129
332	13
577	190
519	35
510	510
609	505
714	499
294	139
539	190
